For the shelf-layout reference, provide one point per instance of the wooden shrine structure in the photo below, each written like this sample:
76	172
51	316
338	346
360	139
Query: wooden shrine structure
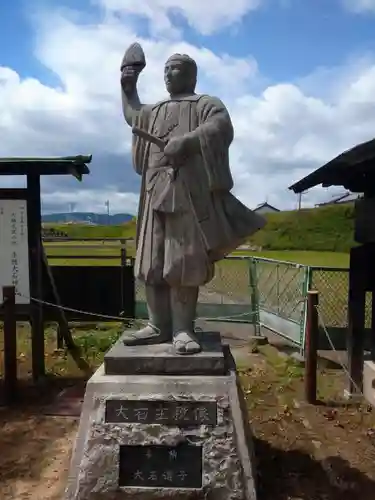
20	222
355	170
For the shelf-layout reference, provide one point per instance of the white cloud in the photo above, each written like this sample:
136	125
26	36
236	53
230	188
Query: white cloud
205	17
281	134
359	6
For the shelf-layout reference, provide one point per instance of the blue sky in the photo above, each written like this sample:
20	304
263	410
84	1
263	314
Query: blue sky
277	60
289	39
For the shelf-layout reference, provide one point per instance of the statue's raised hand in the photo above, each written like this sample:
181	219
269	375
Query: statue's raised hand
129	78
132	64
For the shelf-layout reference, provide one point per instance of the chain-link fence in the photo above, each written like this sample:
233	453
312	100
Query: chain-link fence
226	297
272	294
281	288
333	287
281	291
263	292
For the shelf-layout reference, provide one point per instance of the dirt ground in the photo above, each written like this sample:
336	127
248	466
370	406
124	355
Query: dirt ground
35	453
304	452
323	452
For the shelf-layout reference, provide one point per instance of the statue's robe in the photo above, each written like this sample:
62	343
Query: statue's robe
188	219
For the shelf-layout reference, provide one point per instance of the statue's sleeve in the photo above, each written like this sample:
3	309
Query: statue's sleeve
139	146
215	135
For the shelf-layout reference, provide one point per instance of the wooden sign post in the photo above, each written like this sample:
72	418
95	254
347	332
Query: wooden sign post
22	255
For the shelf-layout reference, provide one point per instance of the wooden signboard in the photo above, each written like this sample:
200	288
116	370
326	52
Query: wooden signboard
14	261
22	258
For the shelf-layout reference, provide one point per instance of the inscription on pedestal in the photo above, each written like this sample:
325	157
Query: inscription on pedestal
161	466
180	413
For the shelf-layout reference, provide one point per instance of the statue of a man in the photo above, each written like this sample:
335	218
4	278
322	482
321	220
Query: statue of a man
188	219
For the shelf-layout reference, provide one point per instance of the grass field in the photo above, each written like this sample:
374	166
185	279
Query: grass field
106	248
96	252
330	259
94	340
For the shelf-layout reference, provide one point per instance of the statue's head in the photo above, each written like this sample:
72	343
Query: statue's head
180	74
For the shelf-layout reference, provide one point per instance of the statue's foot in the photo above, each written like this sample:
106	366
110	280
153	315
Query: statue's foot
149	335
186	343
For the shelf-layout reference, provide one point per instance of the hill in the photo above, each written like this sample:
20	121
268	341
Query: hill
89	217
329	228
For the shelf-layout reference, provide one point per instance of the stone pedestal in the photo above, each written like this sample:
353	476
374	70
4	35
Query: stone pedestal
156	425
369	381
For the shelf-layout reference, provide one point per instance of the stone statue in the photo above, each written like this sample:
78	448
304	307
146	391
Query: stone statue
188	218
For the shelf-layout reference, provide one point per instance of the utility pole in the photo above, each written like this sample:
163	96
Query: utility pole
107	205
300	200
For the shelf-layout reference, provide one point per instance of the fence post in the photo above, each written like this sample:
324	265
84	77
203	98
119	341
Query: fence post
127	285
59	337
311	346
278	287
123	279
10	344
132	289
123	256
254	296
306	286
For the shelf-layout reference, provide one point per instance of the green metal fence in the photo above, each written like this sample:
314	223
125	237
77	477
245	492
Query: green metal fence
226	298
333	286
272	294
263	292
281	293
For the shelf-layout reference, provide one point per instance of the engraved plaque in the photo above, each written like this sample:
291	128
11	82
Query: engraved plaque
161	466
178	413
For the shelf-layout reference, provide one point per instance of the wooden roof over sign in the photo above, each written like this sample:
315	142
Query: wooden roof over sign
65	165
354	169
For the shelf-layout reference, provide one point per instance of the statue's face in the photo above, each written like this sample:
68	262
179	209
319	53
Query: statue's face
177	77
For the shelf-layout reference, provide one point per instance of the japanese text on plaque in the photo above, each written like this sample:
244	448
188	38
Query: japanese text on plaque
181	413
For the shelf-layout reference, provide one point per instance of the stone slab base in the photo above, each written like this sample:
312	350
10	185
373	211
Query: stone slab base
161	359
369	381
196	425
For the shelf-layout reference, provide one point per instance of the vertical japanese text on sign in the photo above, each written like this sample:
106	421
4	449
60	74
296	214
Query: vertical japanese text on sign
14	250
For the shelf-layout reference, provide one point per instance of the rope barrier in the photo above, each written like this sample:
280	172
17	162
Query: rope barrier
345	369
123	318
